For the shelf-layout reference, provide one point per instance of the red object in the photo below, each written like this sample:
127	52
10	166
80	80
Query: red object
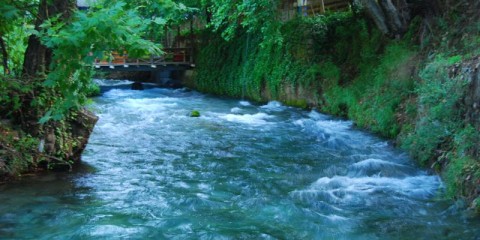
178	57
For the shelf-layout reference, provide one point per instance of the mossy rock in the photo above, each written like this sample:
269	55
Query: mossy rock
195	113
299	103
476	205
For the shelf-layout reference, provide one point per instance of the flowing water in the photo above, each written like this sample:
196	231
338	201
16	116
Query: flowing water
240	171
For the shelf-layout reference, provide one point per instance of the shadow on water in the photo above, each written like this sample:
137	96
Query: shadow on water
106	85
37	205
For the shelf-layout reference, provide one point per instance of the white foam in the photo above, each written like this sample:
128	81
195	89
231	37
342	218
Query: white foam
105	82
202	196
274	106
150	105
378	167
325	127
374	163
113	230
118	93
251	119
334	127
245	103
181	90
236	110
317	116
336	218
181	185
299	122
345	189
329	132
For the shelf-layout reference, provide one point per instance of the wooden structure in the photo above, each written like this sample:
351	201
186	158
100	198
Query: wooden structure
173	57
314	7
320	6
289	9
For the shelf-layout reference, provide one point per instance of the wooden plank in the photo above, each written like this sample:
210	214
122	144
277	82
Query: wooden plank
172	56
324	5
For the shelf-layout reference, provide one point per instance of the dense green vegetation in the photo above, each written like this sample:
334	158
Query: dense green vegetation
405	89
47	50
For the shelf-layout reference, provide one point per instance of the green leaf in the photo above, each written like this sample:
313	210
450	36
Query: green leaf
160	21
47	117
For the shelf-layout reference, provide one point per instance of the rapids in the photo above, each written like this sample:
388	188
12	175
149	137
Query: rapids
240	171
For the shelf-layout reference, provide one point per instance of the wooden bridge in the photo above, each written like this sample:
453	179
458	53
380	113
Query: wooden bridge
321	6
314	7
173	58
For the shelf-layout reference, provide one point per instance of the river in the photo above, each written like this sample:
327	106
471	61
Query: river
240	171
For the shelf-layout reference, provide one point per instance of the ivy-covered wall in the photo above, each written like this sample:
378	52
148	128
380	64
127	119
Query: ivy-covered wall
335	63
341	65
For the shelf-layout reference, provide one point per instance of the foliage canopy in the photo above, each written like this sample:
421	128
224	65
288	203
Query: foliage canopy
74	43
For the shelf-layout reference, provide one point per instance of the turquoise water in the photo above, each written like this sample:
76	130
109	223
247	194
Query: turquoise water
240	171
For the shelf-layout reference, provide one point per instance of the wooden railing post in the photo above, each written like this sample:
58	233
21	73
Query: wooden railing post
191	41
110	61
151	61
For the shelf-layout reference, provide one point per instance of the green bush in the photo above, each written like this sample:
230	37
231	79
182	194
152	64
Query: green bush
439	114
92	90
247	67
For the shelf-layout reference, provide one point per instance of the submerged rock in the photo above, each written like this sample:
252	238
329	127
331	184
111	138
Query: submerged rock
137	86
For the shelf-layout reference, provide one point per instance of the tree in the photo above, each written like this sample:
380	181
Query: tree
66	42
46	98
392	18
37	55
259	16
14	13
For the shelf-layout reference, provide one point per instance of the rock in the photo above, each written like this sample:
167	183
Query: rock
82	127
137	86
472	99
6	123
50	142
195	113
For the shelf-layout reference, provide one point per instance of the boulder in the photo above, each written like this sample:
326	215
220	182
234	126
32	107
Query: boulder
195	113
82	126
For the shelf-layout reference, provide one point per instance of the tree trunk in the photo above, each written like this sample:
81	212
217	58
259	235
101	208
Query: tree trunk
376	13
3	47
209	15
391	18
37	55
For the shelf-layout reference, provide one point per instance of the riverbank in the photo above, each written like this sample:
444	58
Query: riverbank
422	90
28	146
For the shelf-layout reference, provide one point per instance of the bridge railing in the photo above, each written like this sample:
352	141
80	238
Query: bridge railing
171	56
332	5
315	7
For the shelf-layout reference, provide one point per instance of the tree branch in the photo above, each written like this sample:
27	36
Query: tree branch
3	48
